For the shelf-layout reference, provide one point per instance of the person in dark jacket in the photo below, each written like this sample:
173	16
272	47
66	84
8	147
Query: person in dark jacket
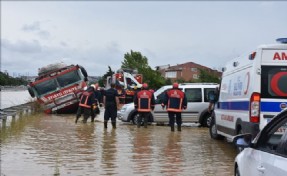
111	102
86	104
144	104
175	100
98	101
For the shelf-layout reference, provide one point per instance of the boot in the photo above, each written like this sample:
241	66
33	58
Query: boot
105	124
114	125
172	128
179	128
145	122
77	118
93	119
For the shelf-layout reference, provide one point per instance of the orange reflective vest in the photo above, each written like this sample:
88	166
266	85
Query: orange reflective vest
84	100
144	101
175	100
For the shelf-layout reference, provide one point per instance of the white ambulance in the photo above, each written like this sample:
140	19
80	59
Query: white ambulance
253	89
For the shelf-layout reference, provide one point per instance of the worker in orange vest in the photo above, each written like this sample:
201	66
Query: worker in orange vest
175	100
87	104
144	103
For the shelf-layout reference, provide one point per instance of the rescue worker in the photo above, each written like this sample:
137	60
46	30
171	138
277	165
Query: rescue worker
98	101
144	103
213	98
111	102
86	104
174	100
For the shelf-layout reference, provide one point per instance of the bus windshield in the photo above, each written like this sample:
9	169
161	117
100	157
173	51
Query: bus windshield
57	83
46	87
69	78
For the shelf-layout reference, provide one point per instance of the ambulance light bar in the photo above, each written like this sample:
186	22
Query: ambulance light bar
252	56
282	40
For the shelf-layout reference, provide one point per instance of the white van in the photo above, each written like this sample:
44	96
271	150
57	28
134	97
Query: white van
196	111
253	89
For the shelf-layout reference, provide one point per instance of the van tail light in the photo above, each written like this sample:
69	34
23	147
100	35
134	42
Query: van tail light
254	108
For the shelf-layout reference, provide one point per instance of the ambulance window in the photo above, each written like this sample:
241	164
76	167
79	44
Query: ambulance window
273	82
193	95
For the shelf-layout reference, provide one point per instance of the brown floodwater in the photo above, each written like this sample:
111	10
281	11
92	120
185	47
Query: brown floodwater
53	145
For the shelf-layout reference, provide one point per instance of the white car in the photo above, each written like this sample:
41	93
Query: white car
267	153
197	104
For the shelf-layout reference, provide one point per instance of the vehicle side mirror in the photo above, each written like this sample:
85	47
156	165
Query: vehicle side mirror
211	96
243	140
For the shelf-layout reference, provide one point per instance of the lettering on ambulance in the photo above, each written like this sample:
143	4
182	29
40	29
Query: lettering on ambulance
282	56
227	118
237	87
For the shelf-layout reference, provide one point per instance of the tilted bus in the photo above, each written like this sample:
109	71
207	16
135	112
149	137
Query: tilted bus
58	87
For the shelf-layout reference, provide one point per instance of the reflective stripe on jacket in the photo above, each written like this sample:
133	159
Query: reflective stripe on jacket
84	102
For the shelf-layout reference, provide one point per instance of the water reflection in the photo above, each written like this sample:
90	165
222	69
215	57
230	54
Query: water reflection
142	151
55	145
172	155
109	151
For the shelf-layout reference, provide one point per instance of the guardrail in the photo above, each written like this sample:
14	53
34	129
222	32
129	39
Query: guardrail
16	110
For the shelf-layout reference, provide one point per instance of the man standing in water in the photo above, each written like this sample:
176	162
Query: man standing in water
111	102
144	103
175	101
86	104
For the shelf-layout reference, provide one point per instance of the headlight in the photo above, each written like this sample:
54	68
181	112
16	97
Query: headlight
123	109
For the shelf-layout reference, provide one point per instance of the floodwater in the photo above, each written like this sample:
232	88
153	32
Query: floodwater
53	145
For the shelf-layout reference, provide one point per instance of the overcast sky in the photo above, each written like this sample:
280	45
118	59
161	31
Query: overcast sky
97	34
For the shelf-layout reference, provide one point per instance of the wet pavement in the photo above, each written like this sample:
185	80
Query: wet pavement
46	145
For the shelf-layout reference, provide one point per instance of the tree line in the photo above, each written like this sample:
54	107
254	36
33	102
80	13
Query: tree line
6	80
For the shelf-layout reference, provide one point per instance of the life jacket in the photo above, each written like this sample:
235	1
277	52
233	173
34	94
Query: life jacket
144	101
175	99
84	102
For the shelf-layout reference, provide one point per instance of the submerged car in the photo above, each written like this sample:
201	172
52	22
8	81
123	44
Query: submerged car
196	111
267	153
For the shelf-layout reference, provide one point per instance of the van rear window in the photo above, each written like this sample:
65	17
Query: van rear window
274	82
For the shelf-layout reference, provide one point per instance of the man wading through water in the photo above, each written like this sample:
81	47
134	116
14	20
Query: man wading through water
175	101
111	102
87	104
144	103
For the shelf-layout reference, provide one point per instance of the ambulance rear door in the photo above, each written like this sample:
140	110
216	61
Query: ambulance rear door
273	83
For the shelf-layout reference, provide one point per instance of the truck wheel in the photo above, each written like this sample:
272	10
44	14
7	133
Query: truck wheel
135	118
213	130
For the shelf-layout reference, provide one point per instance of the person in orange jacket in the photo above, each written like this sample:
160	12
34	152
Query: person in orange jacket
174	100
86	104
144	103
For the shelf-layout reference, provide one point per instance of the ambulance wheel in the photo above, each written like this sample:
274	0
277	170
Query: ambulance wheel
213	130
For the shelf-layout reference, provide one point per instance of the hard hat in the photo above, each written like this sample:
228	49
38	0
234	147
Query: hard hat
175	85
145	85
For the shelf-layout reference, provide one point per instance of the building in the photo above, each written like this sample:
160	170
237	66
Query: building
188	72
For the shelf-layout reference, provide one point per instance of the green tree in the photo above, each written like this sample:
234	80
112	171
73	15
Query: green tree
6	80
206	76
135	60
102	80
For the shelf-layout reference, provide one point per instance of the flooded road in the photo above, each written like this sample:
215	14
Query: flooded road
53	145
